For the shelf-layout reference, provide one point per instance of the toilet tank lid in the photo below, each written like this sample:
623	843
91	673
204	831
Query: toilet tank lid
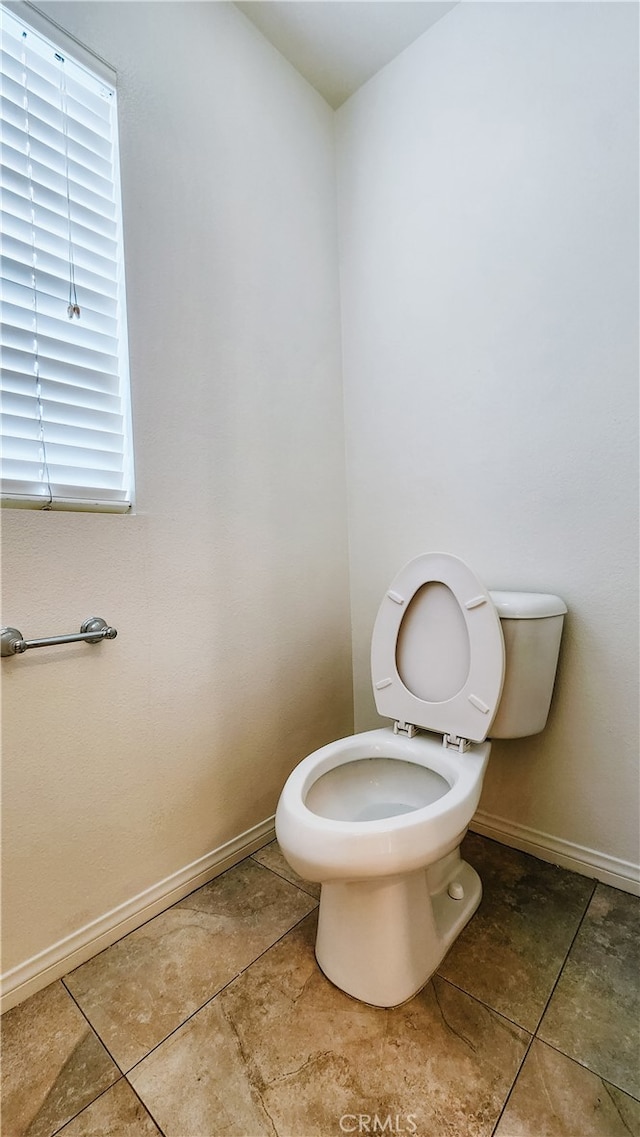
527	605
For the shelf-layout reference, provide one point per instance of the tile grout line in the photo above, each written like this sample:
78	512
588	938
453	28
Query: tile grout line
92	1028
123	1073
564	962
513	1084
89	1103
279	874
219	876
534	1035
214	996
482	1002
583	1066
145	1107
102	1093
117	1065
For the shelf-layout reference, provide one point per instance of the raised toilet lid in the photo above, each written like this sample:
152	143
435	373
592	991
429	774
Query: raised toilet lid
437	652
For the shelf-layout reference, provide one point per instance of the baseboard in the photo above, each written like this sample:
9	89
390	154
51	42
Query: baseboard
587	862
57	960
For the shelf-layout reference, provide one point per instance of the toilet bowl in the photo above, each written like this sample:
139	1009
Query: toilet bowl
378	818
365	816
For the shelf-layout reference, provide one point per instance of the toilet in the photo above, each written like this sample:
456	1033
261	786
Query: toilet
378	818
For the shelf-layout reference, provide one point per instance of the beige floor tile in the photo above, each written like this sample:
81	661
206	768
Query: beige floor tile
117	1113
511	952
271	857
594	1015
555	1097
283	1052
52	1064
136	992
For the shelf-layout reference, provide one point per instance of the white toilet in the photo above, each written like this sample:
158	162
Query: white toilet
378	818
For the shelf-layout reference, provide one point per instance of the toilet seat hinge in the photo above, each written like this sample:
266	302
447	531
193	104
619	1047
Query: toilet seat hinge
404	728
452	742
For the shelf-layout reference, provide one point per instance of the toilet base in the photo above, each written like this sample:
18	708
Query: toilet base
381	940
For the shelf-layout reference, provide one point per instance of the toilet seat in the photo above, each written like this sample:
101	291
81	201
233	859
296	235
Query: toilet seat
453	687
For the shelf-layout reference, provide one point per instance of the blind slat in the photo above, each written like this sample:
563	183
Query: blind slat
48	134
56	114
55	202
34	495
64	351
89	334
52	292
47	178
86	477
56	370
93	110
17	209
20	406
18	252
90	452
57	245
46	69
54	159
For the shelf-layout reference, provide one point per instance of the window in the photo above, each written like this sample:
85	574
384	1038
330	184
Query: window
66	437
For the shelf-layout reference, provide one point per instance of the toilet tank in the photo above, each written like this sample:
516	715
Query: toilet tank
532	628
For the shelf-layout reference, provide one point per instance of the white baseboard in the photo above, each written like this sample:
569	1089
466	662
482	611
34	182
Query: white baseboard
587	862
57	960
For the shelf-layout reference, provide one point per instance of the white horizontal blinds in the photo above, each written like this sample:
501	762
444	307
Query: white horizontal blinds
64	399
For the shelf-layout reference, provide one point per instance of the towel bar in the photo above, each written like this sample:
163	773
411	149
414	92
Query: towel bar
92	631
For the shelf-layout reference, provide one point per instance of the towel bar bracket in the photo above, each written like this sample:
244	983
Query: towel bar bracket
92	631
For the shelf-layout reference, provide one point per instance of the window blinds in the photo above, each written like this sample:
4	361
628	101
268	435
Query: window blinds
65	412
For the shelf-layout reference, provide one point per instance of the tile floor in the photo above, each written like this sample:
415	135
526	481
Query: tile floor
213	1020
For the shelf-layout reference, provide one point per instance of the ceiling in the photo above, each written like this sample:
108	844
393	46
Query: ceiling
338	44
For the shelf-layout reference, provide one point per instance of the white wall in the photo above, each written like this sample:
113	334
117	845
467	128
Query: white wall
489	268
126	762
